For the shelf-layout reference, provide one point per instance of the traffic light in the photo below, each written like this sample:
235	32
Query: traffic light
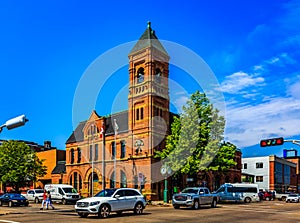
272	142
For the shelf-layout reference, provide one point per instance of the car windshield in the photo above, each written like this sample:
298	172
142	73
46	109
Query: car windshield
39	191
16	196
69	190
190	190
106	193
293	195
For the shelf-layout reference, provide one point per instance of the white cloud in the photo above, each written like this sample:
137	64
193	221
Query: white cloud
294	90
238	81
278	116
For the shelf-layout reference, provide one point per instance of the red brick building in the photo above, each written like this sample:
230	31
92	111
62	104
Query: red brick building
97	157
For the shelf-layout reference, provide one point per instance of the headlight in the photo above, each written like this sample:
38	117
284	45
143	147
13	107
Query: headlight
94	203
189	197
14	200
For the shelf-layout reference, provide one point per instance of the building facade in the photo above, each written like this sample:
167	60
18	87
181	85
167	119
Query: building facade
118	150
127	140
271	172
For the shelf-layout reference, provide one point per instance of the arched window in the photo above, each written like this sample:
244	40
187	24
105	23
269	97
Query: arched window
157	75
72	156
113	150
112	183
140	75
78	155
75	180
123	179
91	152
123	149
96	152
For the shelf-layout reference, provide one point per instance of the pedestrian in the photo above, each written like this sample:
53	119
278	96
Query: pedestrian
44	199
49	201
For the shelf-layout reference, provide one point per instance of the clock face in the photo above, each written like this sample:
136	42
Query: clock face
163	170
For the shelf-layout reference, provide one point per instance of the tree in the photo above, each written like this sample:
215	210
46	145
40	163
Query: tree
19	164
196	138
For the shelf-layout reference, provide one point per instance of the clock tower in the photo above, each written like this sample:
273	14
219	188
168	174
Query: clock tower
148	98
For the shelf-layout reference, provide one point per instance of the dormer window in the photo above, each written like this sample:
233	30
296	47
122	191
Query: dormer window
140	75
92	130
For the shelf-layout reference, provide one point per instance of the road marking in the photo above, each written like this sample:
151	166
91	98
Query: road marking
9	221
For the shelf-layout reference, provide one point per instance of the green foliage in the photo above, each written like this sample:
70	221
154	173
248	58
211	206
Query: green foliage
19	164
195	142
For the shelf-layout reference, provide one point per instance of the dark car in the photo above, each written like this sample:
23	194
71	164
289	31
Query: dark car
13	200
268	196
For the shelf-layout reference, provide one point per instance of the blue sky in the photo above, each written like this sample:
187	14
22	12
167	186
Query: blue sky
253	48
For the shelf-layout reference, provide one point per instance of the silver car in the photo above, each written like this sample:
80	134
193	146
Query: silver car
293	198
111	200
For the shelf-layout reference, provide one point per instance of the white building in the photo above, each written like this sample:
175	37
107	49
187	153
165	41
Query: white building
271	172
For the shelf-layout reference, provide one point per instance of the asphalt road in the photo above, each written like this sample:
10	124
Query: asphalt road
267	211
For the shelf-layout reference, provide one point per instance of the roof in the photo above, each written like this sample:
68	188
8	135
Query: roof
148	39
77	135
60	168
121	119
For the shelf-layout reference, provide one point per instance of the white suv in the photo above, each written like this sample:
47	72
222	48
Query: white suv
292	198
111	200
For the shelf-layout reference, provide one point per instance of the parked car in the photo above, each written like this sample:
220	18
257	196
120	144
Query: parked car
268	196
293	198
35	195
194	197
282	197
13	200
111	200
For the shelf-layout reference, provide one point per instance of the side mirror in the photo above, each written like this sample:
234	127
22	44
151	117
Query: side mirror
117	196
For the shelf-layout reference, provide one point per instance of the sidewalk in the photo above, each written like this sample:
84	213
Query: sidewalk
160	203
4	210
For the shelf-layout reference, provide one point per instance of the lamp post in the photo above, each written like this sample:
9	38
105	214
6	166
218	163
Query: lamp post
165	171
14	122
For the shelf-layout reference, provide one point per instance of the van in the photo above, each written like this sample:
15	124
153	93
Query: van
62	193
245	192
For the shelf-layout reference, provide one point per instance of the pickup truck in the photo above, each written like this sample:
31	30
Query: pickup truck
35	195
194	197
281	197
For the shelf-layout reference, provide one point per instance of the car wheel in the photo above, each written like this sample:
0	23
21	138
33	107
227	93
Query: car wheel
104	211
214	203
196	205
10	204
283	198
0	203
138	208
176	206
36	200
247	200
267	199
83	215
63	201
287	201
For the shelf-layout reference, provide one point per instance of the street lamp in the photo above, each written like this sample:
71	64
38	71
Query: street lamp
166	171
14	122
